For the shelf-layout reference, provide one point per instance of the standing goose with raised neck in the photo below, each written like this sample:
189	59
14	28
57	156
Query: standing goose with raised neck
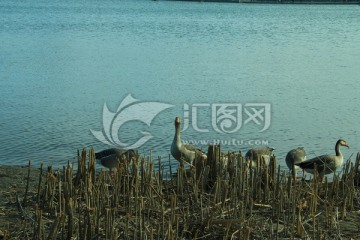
180	151
258	153
293	157
325	164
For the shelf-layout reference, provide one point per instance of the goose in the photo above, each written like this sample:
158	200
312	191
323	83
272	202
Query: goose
111	158
326	163
293	157
180	151
262	153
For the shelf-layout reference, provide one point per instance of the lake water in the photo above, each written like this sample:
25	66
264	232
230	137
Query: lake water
61	61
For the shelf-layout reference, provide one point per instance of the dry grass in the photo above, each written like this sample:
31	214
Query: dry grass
209	201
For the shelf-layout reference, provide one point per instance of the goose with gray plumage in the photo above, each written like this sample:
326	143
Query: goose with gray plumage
293	157
258	153
111	158
180	151
325	164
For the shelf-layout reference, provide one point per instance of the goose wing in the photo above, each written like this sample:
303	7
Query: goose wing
254	153
108	152
194	149
320	162
110	161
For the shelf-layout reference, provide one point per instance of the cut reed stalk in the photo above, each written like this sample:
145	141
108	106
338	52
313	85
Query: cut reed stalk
27	184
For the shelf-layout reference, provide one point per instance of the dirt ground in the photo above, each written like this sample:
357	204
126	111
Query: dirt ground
13	182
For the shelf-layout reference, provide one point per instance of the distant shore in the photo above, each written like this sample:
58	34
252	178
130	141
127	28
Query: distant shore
327	2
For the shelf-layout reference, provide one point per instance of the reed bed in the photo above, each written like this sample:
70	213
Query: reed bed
211	200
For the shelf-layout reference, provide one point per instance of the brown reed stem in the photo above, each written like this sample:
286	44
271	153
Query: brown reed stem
27	184
54	228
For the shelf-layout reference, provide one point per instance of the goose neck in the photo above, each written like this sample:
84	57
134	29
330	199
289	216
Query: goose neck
337	149
177	136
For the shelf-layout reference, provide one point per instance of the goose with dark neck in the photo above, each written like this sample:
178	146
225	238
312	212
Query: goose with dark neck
325	164
180	151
